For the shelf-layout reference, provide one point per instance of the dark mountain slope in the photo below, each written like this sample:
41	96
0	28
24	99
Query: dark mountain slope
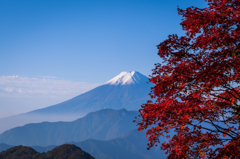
19	152
66	151
62	152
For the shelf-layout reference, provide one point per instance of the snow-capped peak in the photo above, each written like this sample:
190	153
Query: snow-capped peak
126	78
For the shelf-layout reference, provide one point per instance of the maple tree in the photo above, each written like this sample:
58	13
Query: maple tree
196	90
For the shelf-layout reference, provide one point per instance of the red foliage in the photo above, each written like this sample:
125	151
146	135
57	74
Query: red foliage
231	150
197	91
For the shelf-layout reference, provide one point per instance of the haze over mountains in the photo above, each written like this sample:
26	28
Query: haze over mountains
106	132
131	145
127	90
104	124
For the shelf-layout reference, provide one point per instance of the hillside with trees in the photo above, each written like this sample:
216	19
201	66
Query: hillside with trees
66	151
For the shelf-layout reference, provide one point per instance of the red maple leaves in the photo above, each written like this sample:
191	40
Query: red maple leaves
197	89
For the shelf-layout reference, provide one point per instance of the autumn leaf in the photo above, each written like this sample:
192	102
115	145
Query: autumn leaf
196	91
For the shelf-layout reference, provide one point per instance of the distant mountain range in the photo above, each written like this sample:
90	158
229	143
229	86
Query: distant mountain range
102	125
131	145
100	122
127	90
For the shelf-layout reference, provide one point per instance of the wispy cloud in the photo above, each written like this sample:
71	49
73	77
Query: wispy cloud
42	85
47	76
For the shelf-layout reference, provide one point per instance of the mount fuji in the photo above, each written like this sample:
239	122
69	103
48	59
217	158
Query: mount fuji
127	90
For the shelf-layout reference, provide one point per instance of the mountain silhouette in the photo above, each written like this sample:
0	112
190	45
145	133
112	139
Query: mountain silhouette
65	151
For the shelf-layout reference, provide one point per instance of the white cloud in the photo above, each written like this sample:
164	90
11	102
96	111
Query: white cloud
13	85
8	89
20	94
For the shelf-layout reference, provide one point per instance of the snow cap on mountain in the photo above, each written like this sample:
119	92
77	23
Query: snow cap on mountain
126	78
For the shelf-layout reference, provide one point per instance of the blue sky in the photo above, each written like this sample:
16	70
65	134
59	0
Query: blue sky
52	50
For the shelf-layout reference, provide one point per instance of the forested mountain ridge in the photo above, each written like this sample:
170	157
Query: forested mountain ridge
62	152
